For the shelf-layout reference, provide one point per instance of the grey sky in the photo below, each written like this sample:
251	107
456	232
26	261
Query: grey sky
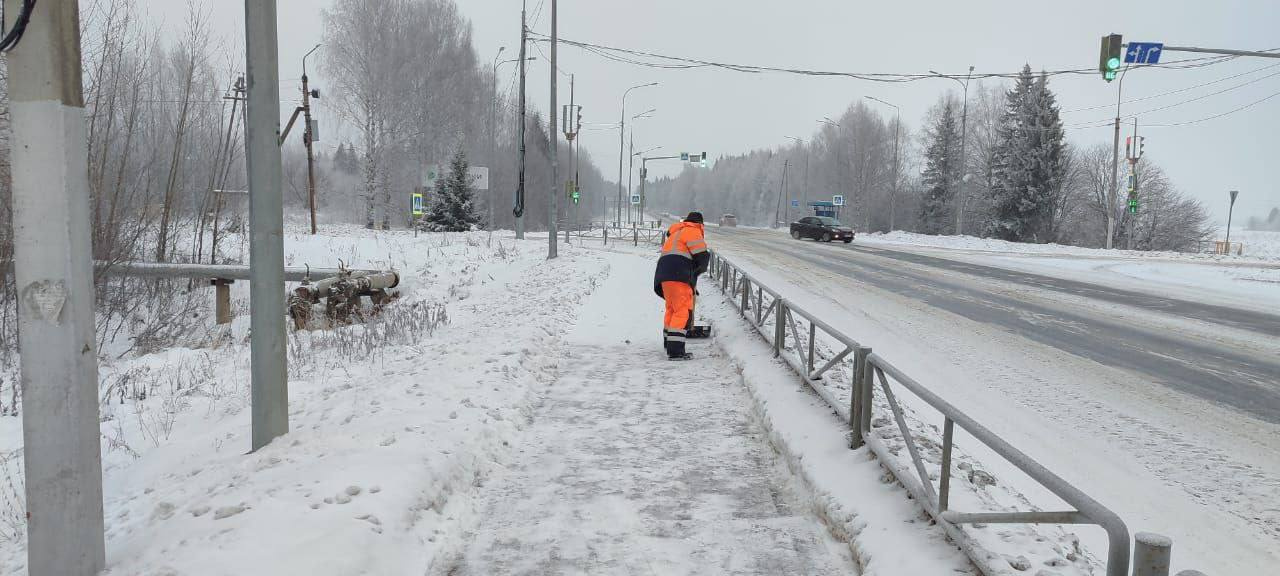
726	112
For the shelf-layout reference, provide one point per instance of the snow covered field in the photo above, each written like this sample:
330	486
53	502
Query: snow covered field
393	424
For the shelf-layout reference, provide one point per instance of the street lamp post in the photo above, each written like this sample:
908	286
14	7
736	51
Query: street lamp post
631	163
804	192
897	129
622	142
493	124
964	160
832	123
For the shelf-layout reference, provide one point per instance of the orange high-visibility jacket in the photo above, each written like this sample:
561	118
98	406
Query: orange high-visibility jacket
684	256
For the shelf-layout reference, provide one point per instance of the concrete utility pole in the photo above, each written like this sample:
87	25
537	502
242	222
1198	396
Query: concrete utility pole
270	387
53	273
493	129
554	209
309	138
518	208
569	134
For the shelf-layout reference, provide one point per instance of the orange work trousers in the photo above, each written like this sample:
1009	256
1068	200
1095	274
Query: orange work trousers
679	298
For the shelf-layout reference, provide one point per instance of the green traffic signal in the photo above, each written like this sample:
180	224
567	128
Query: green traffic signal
1109	58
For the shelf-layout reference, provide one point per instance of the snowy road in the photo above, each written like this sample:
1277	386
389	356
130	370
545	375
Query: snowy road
1037	307
1166	410
637	465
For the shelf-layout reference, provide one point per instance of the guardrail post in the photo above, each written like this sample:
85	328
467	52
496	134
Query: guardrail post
1151	553
944	483
867	393
222	300
860	372
812	332
779	326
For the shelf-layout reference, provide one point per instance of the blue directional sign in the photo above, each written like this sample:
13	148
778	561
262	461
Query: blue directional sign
1143	52
795	203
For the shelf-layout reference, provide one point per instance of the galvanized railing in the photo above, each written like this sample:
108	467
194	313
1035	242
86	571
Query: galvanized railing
816	362
648	232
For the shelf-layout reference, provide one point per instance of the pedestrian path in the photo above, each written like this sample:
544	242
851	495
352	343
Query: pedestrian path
638	465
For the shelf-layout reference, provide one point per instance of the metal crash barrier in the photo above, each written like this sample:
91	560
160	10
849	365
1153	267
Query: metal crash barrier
795	335
647	232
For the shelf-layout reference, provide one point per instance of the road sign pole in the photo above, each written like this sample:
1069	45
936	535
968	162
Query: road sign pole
1230	212
53	274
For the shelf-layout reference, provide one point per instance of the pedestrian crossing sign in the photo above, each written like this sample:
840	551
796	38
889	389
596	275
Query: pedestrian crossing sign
417	204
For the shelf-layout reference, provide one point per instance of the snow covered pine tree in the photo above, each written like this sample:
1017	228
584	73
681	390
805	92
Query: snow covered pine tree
1029	162
453	208
941	173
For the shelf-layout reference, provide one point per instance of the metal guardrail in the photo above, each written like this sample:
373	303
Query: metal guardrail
649	233
758	304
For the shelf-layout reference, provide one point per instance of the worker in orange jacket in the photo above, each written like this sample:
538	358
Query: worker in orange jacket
684	258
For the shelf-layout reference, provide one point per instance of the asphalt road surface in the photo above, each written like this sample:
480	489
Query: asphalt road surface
1164	409
1242	379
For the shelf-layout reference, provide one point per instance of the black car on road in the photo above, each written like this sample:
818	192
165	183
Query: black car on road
824	228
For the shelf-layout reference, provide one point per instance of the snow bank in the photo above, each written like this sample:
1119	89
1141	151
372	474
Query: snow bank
393	424
1260	247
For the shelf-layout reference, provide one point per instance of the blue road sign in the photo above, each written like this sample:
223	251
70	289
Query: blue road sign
795	203
1143	52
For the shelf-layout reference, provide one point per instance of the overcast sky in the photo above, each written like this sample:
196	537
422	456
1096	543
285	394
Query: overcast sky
726	112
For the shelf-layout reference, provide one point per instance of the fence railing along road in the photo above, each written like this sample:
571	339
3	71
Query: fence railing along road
794	335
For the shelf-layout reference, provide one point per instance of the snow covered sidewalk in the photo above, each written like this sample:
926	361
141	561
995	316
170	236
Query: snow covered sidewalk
637	465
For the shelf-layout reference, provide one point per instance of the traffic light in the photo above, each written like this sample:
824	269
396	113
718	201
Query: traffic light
1109	59
1133	204
704	160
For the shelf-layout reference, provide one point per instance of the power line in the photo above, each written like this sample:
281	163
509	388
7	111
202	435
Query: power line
1215	116
1172	92
1108	121
637	58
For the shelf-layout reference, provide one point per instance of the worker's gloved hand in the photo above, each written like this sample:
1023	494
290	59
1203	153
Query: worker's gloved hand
696	292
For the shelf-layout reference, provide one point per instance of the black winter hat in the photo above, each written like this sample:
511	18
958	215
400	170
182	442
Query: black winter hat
695	217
